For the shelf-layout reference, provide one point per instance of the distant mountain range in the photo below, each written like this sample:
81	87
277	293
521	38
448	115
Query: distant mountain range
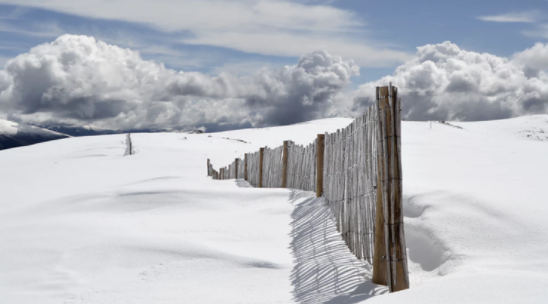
89	130
13	134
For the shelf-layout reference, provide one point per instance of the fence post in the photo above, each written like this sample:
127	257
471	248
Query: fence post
245	167
208	172
320	145
284	163
389	173
261	153
222	173
236	168
380	276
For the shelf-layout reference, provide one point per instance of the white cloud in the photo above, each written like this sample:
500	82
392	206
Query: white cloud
283	44
79	80
523	17
283	28
177	15
533	59
444	82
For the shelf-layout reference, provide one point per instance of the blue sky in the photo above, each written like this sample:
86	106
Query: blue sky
239	63
398	26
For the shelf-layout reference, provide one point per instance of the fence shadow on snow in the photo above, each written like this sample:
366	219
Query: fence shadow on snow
324	271
356	220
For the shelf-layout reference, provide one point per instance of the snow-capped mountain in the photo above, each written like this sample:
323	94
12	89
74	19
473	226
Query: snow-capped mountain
82	223
14	134
93	130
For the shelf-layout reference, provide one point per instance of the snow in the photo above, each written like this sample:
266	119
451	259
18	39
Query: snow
81	223
12	128
8	127
14	135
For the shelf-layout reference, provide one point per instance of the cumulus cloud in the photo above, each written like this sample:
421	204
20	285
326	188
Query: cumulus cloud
534	59
444	82
79	80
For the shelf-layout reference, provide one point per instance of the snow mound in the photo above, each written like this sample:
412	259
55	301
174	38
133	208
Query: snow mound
81	223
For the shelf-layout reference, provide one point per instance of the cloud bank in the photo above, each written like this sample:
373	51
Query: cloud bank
81	81
78	80
444	82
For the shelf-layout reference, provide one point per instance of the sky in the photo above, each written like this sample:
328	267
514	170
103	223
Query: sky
240	63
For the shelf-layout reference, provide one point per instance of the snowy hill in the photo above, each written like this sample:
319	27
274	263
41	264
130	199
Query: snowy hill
13	134
81	223
92	130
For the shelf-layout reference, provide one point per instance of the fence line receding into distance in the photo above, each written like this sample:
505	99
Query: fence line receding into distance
357	170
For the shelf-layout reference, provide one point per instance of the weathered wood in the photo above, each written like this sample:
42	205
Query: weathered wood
208	167
380	275
390	176
236	168
261	157
245	160
284	163
320	146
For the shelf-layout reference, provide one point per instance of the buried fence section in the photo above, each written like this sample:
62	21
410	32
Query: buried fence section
241	169
357	170
129	145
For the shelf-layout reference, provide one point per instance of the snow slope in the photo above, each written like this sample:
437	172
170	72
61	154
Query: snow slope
81	223
13	134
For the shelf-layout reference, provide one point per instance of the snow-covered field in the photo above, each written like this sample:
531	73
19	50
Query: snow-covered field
81	223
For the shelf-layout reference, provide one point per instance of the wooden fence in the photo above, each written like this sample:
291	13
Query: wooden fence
357	170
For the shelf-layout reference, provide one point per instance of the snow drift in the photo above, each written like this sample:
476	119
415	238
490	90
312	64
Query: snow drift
81	223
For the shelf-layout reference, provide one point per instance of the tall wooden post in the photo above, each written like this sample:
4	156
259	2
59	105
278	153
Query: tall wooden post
222	173
236	168
320	145
245	166
284	163
208	166
261	153
389	173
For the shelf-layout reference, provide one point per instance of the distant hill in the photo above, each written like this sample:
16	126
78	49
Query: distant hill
14	134
91	130
81	130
